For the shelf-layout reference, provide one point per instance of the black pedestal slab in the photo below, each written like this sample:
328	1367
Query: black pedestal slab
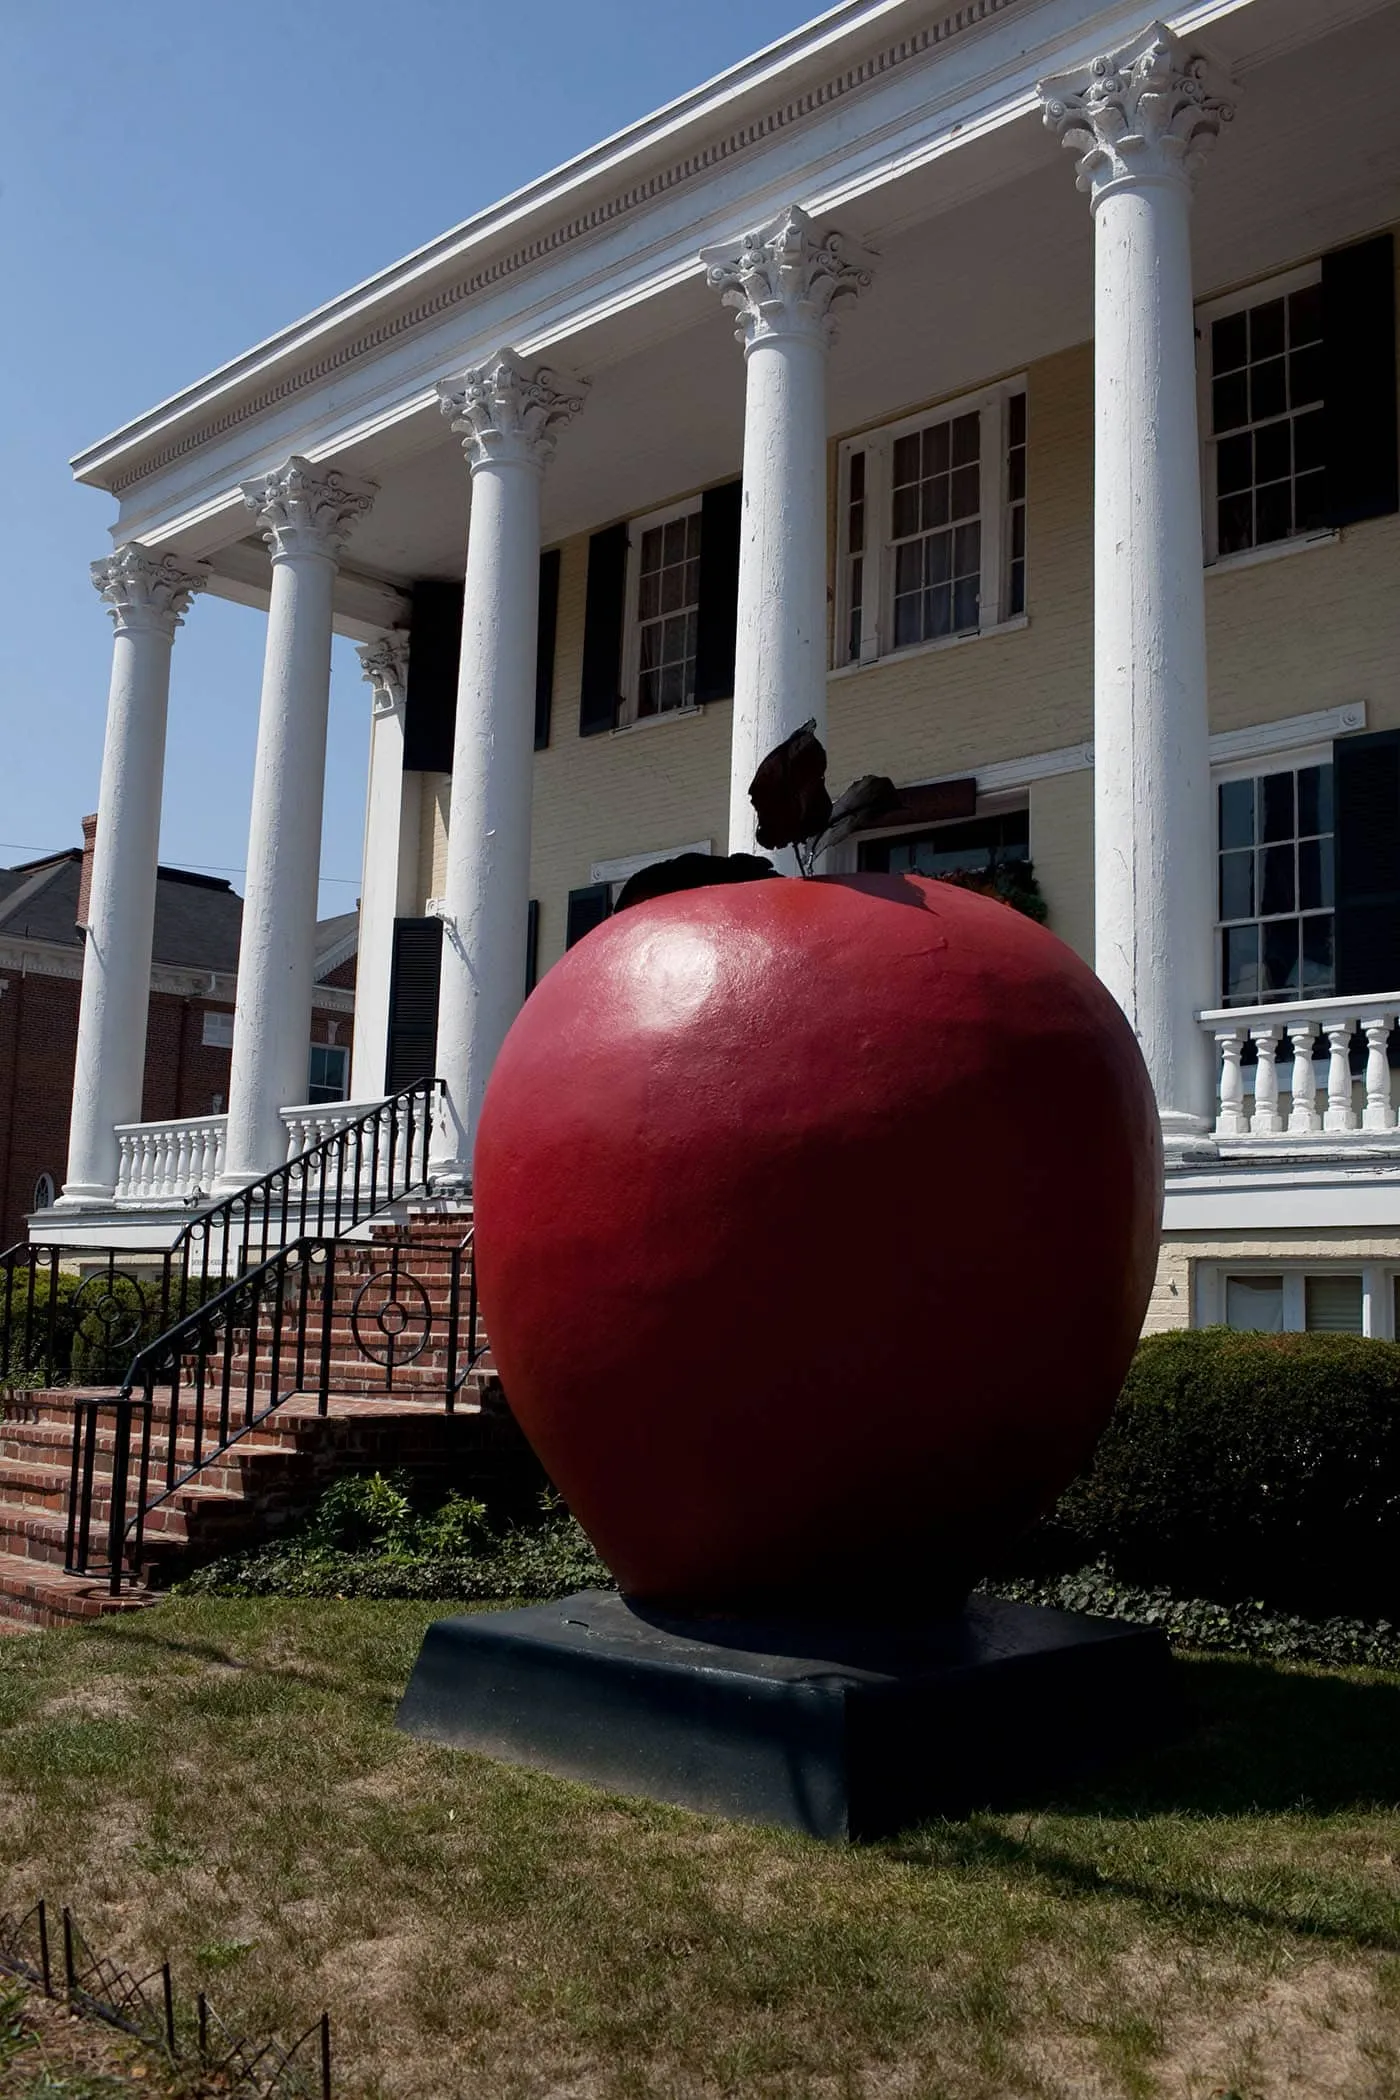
841	1731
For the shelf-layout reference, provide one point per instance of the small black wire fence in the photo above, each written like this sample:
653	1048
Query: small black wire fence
250	2067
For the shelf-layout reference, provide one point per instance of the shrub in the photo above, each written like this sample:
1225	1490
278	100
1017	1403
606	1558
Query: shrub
1247	1466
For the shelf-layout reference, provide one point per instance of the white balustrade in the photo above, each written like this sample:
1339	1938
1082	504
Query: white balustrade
313	1122
1297	1026
170	1162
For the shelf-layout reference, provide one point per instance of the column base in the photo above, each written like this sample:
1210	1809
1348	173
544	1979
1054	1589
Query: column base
85	1195
1186	1138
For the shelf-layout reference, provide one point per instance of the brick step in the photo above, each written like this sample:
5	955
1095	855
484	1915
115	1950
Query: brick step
36	1594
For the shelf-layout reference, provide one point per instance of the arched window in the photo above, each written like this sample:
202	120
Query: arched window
45	1191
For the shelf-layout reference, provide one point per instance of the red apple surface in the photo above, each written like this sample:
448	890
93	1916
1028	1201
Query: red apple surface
815	1225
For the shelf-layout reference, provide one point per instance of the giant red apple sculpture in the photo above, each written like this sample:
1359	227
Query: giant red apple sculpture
816	1223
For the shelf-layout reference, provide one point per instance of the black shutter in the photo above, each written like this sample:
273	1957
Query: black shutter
430	707
587	909
1358	382
532	946
544	652
1367	785
604	606
413	1002
719	591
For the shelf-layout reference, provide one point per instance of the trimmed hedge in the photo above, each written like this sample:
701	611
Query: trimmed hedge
1246	1467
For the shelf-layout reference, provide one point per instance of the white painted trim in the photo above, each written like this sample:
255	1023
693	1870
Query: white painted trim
1272	550
1289	733
1377	1288
339	953
1236	1199
629	863
942	641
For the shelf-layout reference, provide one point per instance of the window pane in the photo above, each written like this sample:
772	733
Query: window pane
936	449
906	458
1310	894
675	540
1305	376
649	597
647	692
935	508
967	440
1016	419
1305	315
857	477
905	517
1230	401
1016	476
1241	965
1268	390
1235	528
1308	441
907	618
1332	1304
967	550
1276	891
1254	1304
1265	330
908	568
1279	944
1237	885
1229	343
938	612
1237	813
1016	594
938	557
1234	464
1318	966
1273	452
1018	535
1309	503
1273	512
967	492
965	609
1276	806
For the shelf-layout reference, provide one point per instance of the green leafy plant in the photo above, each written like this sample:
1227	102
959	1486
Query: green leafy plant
1245	1466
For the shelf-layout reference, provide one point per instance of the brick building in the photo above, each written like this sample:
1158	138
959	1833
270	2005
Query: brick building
198	920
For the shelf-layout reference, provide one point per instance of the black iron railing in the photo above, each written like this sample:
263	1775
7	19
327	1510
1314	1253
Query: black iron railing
61	1327
308	1321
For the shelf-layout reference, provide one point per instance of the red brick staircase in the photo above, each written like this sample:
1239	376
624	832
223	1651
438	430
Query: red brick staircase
387	1348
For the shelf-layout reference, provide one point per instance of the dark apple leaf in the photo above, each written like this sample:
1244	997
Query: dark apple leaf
691	871
865	801
788	791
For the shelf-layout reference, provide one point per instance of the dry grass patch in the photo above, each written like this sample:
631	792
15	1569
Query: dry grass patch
1222	1918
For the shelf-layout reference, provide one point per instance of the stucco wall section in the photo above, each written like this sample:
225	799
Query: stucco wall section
1062	850
1173	1289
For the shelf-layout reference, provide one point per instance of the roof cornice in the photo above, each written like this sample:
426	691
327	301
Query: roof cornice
728	116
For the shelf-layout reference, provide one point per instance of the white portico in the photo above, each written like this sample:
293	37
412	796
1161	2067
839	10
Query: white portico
665	552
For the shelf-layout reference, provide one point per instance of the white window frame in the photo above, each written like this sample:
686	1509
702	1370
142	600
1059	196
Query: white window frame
340	1050
877	593
1377	1289
628	717
1218	310
1288	759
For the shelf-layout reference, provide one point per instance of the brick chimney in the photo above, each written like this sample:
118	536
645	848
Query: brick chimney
85	880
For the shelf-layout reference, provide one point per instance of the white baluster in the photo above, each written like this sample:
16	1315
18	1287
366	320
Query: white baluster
123	1187
1230	1118
1303	1117
1266	1122
147	1166
218	1165
1340	1113
1379	1115
182	1161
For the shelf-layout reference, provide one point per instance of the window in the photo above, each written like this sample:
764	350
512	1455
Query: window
328	1079
974	845
933	527
1262	410
664	594
1289	1302
45	1192
1275	885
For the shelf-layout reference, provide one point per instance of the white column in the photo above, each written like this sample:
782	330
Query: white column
146	594
1140	120
305	513
783	279
505	415
389	878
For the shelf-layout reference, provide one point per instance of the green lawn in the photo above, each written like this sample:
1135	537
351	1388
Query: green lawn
222	1781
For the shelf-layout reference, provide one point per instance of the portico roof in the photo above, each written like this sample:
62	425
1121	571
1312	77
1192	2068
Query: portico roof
892	113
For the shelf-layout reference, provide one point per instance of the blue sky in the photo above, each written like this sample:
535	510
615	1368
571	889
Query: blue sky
176	184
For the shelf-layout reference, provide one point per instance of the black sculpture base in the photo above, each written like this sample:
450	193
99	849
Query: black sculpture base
841	1731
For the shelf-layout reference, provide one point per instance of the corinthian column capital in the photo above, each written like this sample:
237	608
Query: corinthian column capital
1149	112
785	277
504	412
304	509
145	591
384	664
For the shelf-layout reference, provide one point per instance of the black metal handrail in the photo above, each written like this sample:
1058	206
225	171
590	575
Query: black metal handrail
86	1330
195	1399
